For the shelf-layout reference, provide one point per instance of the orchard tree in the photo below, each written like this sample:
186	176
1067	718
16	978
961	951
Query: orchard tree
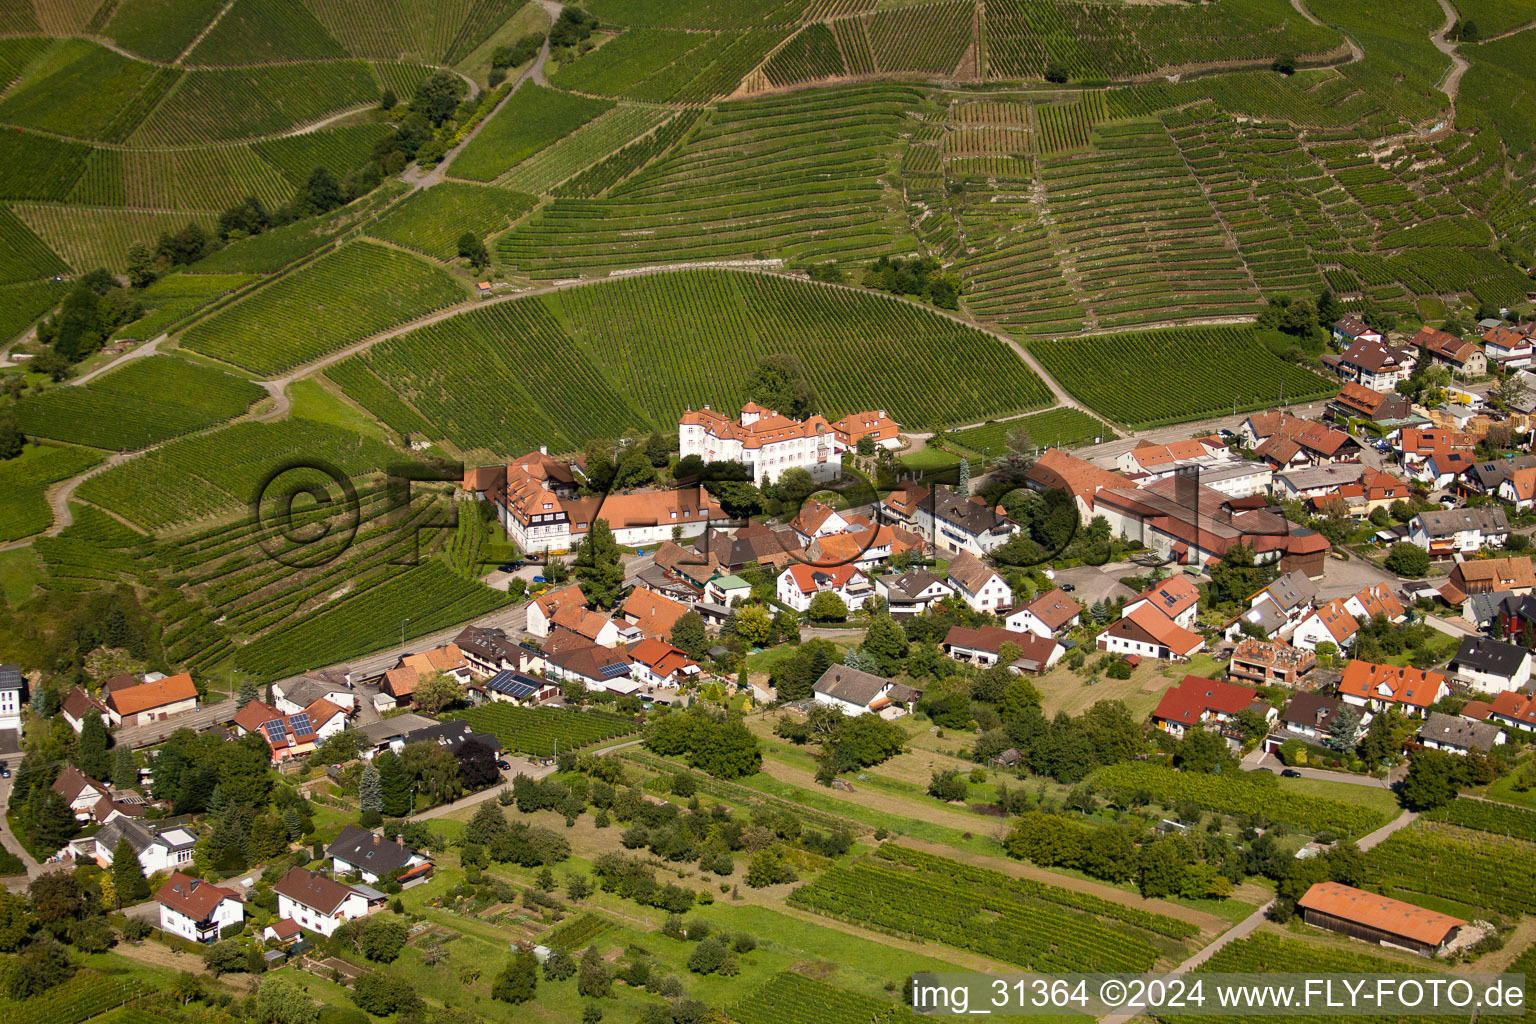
597	565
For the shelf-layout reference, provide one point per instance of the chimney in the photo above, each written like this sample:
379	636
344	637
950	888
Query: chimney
193	886
375	840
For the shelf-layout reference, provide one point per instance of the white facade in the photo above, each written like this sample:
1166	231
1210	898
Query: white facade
229	913
10	708
1311	632
763	441
990	596
1492	682
844	581
171	849
1026	621
354	906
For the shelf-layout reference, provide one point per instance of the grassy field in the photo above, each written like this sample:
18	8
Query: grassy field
1054	428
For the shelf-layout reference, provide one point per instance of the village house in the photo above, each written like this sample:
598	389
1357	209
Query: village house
1510	348
978	584
1277	608
1379	919
727	590
1510	575
157	849
1329	623
317	902
512	687
400	682
12	696
1053	612
1350	329
653	663
1357	402
755	542
1514	709
1489	476
1375	601
575	659
912	593
527	495
818	520
984	645
1270	663
1442	470
1297	443
567	608
1372	363
1414	445
800	583
650	613
1195	701
77	704
1449	533
1373	490
1176	597
1456	735
1490	666
293	696
1366	684
955	524
1149	461
856	692
198	911
291	736
899	504
763	441
376	859
1147	632
877	426
489	652
156	699
81	792
1310	717
1463	357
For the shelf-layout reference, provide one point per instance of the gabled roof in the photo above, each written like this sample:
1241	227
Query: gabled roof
915	582
1291	591
1398	684
1151	623
808	579
77	704
1336	618
72	782
1311	710
1442	345
131	700
1173	596
1459	732
991	639
1379	912
969	515
661	658
1449	522
1055	608
590	661
851	684
970	572
873	423
1491	657
813	516
364	849
1374	356
1352	327
1056	469
1189	700
1495	574
1515	706
653	614
193	897
1378	599
311	889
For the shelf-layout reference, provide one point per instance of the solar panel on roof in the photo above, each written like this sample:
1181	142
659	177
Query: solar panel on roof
275	731
301	725
618	668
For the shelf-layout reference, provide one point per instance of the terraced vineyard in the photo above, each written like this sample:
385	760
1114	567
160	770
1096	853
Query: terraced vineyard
147	400
346	296
533	118
1149	378
634	354
25	480
536	731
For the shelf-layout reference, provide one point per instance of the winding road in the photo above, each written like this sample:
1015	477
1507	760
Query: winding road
1459	65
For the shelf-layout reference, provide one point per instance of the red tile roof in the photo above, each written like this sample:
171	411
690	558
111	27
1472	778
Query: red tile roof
1188	701
1413	686
1380	912
313	890
192	896
132	700
804	576
653	614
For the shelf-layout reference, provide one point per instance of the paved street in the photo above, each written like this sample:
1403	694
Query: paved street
17	882
155	732
1257	758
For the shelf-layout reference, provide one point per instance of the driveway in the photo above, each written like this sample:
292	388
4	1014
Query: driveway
15	882
1091	583
1259	759
1341	578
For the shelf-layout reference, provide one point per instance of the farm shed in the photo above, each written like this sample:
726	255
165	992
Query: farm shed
1365	915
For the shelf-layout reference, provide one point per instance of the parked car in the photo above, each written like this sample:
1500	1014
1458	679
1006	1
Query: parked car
1290	773
1448	500
1068	587
5	773
509	567
504	765
540	579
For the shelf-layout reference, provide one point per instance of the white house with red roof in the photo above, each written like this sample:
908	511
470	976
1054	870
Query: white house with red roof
1049	614
1148	461
818	520
873	424
1514	708
1175	597
1377	599
157	698
318	902
1366	684
567	608
196	910
656	663
290	736
799	583
978	584
1147	632
1197	700
1510	347
763	441
1328	623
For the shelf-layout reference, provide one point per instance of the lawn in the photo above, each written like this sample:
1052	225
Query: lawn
312	400
19	574
1061	689
1375	797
